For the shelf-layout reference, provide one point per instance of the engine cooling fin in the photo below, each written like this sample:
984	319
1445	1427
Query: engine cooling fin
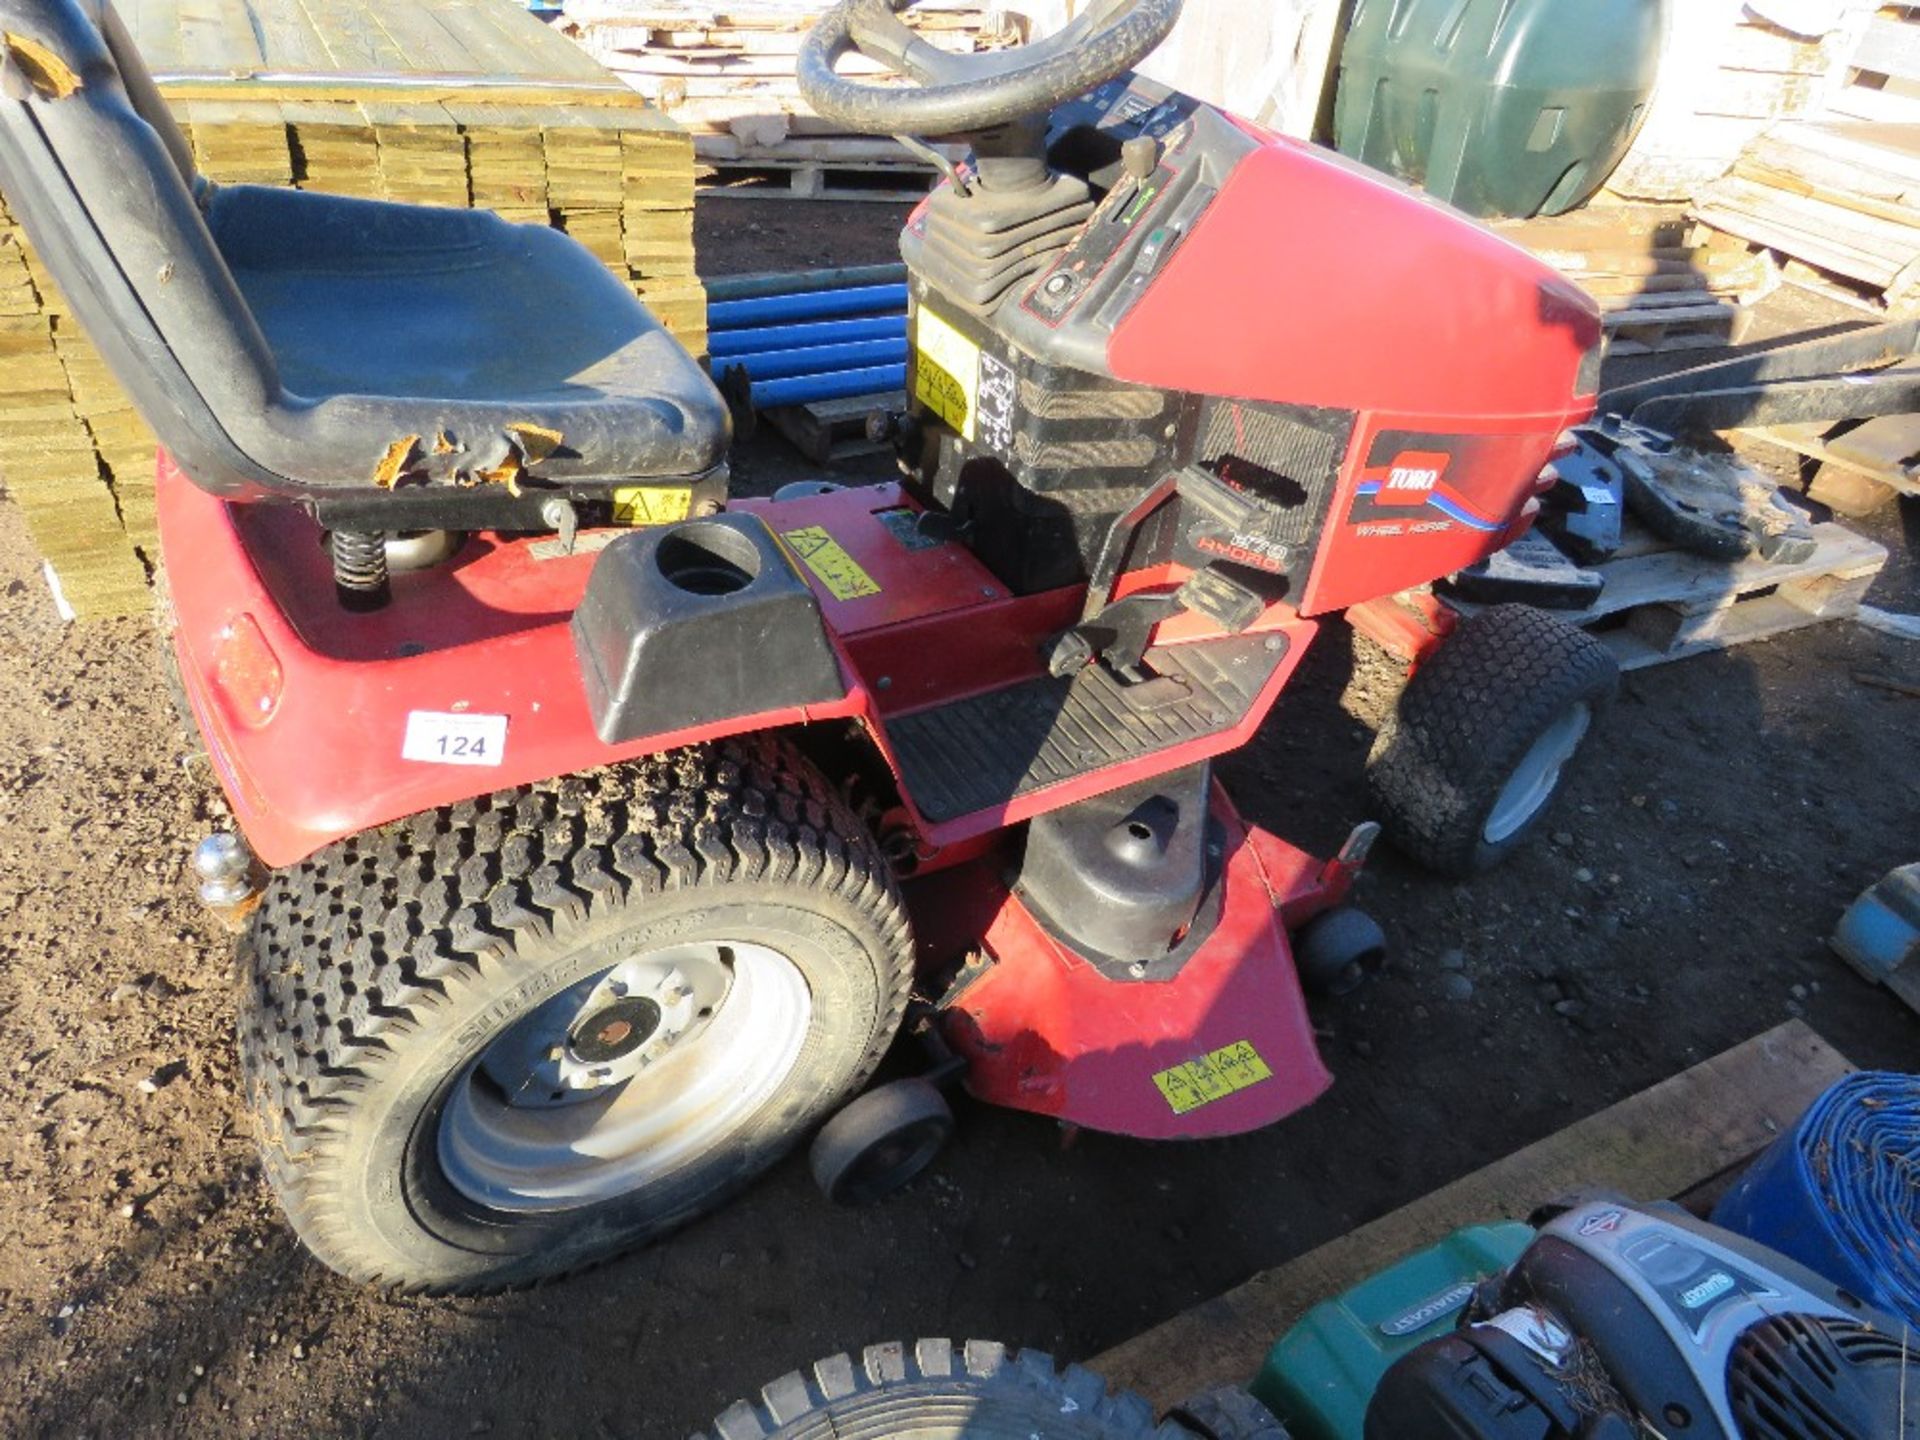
1799	1377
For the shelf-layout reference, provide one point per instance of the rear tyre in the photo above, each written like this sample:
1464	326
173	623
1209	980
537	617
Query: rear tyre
497	1042
931	1390
881	1142
1476	750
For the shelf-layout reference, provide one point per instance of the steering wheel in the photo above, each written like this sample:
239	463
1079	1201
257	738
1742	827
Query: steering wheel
956	94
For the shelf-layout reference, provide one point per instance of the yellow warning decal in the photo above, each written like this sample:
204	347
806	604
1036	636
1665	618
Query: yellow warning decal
1227	1071
838	570
946	375
651	504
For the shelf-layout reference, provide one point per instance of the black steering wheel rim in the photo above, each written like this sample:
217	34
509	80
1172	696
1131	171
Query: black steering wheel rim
958	94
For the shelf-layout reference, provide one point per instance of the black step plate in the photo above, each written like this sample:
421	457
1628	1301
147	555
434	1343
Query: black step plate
979	753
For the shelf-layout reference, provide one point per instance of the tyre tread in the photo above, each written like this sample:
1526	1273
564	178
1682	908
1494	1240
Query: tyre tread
366	941
941	1367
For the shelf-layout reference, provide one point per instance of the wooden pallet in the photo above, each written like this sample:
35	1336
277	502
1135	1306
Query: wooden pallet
831	430
1665	604
1693	321
1883	74
868	181
1859	463
1683	1139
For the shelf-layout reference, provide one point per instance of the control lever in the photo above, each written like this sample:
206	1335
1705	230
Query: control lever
1140	157
1234	525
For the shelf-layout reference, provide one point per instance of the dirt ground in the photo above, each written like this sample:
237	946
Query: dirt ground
1676	906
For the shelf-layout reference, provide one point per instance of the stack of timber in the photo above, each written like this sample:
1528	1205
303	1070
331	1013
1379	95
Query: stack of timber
55	448
1841	197
725	71
1661	283
1727	74
468	103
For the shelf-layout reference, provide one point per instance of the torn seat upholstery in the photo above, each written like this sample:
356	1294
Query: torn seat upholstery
292	344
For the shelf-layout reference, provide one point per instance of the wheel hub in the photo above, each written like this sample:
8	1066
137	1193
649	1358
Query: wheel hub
624	1076
607	1030
616	1031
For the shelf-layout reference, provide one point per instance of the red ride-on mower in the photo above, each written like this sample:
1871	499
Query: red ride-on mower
613	830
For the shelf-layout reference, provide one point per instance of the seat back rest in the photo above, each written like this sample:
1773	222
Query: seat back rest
102	181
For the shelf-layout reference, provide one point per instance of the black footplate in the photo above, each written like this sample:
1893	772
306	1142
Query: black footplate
984	751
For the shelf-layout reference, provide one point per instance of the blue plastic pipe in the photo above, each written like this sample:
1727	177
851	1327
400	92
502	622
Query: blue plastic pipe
838	385
820	305
725	343
817	359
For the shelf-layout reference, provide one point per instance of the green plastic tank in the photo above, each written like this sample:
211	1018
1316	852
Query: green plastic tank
1499	107
1321	1375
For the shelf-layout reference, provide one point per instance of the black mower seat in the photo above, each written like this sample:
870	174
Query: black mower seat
291	343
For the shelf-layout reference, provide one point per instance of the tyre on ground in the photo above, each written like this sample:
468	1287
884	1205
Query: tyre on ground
933	1390
500	1041
1471	758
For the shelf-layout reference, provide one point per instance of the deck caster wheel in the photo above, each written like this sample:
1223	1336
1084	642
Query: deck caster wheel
1475	752
1336	951
880	1142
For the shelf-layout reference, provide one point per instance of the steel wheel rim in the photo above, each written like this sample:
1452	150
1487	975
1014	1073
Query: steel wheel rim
659	1058
1537	775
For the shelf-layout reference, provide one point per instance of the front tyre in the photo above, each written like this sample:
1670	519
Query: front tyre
1474	753
497	1042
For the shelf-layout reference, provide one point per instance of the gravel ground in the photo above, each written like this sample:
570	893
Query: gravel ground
147	1286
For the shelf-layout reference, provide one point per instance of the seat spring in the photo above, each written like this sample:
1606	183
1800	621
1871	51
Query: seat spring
360	575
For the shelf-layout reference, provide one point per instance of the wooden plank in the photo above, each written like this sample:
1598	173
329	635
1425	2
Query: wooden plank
1662	1142
1695	585
1815	245
1889	442
1811	441
1861	102
1884	149
1890	46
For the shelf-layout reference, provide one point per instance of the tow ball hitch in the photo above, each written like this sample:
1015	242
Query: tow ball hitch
231	879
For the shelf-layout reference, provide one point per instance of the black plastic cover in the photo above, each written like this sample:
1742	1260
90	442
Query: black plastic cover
1121	877
1482	1384
283	342
696	623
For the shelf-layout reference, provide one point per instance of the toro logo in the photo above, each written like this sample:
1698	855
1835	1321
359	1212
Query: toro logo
1409	495
1414	479
1411	479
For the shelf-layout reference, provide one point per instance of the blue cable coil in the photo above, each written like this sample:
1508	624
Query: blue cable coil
1840	1192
